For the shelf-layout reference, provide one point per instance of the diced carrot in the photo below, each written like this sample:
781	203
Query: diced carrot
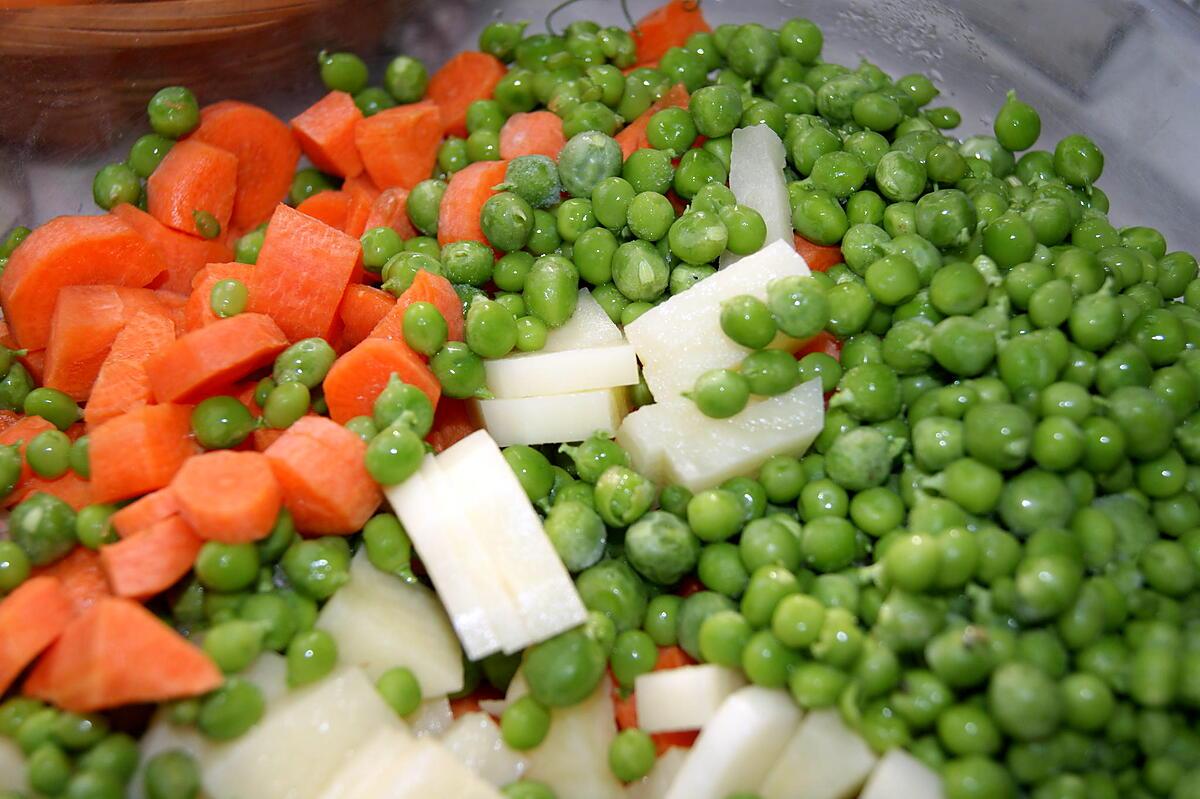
533	133
175	305
452	422
118	653
465	78
35	363
667	26
362	184
70	251
122	383
139	451
266	155
361	310
152	561
624	708
426	287
328	206
70	488
818	257
302	272
183	255
86	322
822	342
214	356
31	618
362	195
198	312
227	496
81	576
8	419
672	657
23	431
357	377
193	178
320	466
399	146
390	209
467	191
325	131
264	437
633	136
142	513
683	739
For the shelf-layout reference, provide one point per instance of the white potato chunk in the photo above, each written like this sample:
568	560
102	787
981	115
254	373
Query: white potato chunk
756	163
684	698
681	339
901	774
553	419
534	374
432	718
380	622
573	760
655	784
269	673
509	530
367	773
476	741
823	760
738	745
302	741
675	442
588	327
12	767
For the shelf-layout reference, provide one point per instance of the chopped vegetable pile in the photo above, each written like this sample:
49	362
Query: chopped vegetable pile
666	412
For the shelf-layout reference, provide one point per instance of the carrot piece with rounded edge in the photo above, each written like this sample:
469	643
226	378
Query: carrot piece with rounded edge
302	272
390	209
426	287
198	311
87	320
331	207
357	377
139	451
122	383
467	191
532	133
82	578
144	512
633	136
325	131
151	561
118	653
69	487
819	258
31	618
452	422
227	496
399	146
665	27
465	78
338	497
182	254
70	251
221	353
266	156
193	178
361	310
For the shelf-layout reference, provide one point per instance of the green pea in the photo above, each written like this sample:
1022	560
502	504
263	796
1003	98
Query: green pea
48	454
15	567
52	405
317	567
221	422
43	526
173	112
231	710
491	330
115	184
507	221
172	774
745	229
1078	161
577	533
458	369
623	496
311	655
399	688
748	321
564	670
394	454
286	403
234	645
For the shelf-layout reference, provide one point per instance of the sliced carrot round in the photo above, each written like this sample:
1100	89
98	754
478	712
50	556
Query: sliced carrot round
232	497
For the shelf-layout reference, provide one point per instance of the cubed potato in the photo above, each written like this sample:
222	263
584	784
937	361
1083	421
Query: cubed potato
756	178
380	622
431	719
738	745
684	698
12	767
369	771
573	760
901	774
475	740
681	339
823	760
588	327
553	419
675	442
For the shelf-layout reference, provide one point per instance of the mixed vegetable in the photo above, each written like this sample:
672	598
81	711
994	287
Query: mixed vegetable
979	583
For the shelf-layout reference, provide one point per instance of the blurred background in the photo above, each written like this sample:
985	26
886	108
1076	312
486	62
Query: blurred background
75	78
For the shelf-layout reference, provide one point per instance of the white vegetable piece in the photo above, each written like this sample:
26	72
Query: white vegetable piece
553	419
684	698
823	760
675	442
380	622
484	616
681	339
737	745
269	674
509	530
12	767
573	760
368	772
655	784
476	741
587	353
432	718
302	741
756	163
901	774
395	766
